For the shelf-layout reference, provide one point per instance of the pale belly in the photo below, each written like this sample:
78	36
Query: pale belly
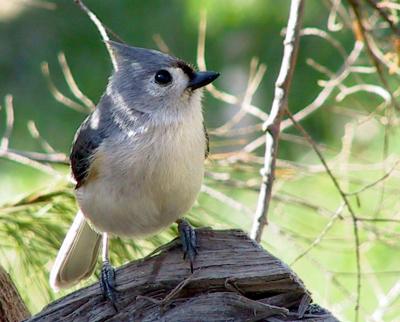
148	193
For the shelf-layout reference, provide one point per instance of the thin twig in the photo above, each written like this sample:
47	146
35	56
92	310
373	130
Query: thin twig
272	126
9	122
386	301
389	5
321	98
19	158
324	35
385	16
379	220
13	155
57	94
354	218
36	135
255	77
161	44
332	24
330	85
342	12
102	30
374	89
218	195
321	235
375	61
320	68
72	84
362	33
372	184
56	158
345	153
220	95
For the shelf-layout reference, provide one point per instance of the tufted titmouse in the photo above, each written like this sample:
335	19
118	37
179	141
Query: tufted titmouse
137	160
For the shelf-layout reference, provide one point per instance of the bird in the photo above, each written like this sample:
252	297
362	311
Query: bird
138	161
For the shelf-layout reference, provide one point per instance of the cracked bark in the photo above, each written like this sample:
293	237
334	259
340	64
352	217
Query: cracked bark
12	308
234	279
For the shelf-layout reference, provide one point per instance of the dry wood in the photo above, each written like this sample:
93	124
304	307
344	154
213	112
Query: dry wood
12	308
234	280
273	124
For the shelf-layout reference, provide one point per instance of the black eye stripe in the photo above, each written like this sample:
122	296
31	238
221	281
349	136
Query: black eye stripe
163	77
187	69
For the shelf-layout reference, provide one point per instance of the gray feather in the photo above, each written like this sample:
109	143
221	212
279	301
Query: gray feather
88	138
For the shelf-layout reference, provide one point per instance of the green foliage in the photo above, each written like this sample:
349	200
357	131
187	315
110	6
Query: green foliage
305	229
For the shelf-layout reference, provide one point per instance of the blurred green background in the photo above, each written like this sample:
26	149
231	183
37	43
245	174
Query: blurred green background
36	31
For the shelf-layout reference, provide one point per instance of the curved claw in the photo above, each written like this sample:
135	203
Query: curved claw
107	283
189	241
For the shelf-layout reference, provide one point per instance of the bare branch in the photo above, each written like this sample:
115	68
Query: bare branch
379	220
218	195
255	77
72	84
321	235
102	30
9	122
57	158
321	98
348	205
389	5
36	135
318	67
161	44
375	5
238	131
324	35
385	302
19	158
377	90
272	126
201	63
332	24
330	85
57	94
363	69
23	157
375	61
372	184
339	10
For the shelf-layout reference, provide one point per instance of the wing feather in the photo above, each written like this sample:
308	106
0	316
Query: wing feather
87	140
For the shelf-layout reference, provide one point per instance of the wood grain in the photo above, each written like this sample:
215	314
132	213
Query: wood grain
12	308
234	280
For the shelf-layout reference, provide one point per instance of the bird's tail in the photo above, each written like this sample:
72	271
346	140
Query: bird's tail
77	256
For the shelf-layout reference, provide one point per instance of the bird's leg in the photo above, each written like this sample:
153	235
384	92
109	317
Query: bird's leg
107	278
188	239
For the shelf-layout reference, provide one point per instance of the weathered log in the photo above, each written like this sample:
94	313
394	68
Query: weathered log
234	280
12	308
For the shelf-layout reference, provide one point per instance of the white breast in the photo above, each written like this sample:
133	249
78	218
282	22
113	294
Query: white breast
144	183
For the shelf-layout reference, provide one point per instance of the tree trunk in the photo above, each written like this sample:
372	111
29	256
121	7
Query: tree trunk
234	280
12	308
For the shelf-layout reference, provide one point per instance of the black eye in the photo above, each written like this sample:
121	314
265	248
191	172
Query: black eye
163	77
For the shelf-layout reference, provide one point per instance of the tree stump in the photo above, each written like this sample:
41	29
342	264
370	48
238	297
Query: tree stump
12	308
234	280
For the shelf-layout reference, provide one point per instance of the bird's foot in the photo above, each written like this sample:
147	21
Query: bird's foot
188	239
107	283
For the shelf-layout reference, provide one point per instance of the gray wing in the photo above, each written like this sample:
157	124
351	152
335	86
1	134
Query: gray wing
87	140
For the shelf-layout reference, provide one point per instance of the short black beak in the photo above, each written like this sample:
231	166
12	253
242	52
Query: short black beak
200	79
